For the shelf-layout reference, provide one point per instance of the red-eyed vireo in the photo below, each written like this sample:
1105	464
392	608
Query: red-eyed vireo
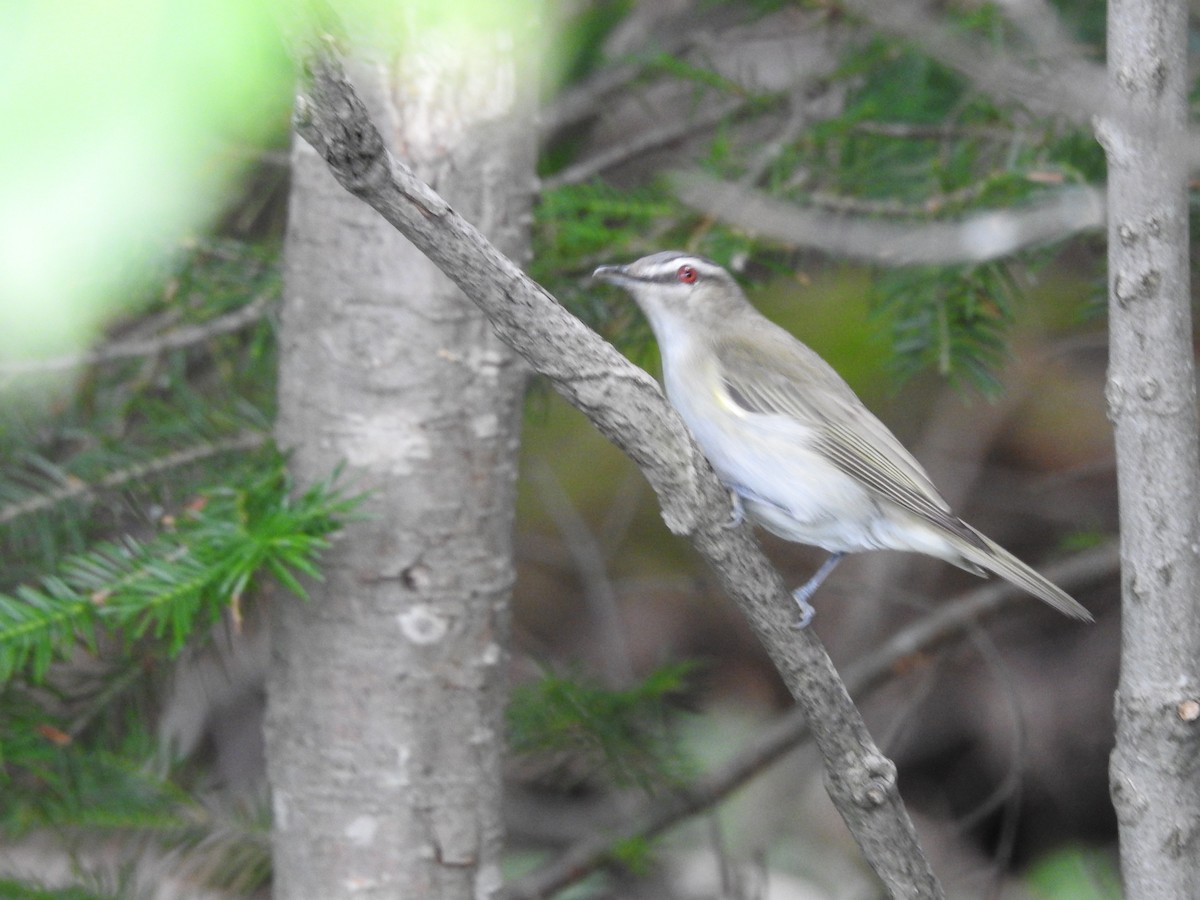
797	449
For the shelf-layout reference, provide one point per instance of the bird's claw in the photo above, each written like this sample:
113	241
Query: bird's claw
807	611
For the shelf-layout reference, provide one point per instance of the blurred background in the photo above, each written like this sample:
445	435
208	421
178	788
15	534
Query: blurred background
143	199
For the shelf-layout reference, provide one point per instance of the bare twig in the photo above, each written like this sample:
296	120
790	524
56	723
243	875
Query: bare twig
176	339
915	131
246	440
791	729
628	407
644	142
592	568
979	237
856	206
585	99
795	123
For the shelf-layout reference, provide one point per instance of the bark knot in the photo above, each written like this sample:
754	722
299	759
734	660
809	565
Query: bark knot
879	782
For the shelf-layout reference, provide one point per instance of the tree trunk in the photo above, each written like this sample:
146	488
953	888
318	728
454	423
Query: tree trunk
387	689
1152	403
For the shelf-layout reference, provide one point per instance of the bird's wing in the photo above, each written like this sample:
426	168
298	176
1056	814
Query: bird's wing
795	382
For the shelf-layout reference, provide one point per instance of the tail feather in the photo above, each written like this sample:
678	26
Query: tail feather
996	559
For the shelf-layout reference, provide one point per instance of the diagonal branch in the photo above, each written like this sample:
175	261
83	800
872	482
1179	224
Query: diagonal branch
628	407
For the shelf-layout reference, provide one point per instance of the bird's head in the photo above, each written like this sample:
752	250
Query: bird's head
674	287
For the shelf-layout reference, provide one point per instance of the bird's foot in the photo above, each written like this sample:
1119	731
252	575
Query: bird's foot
804	593
738	515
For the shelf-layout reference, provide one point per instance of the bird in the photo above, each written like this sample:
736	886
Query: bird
799	452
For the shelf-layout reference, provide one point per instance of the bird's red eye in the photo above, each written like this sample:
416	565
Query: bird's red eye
687	274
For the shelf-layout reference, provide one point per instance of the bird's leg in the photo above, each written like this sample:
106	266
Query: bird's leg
803	593
737	496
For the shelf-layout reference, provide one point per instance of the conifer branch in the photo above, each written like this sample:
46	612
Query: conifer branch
76	488
205	559
177	339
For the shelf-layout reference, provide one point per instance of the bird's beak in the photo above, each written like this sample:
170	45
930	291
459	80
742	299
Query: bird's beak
612	274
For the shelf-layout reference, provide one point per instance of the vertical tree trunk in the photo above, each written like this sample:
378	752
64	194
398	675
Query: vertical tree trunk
387	689
1155	769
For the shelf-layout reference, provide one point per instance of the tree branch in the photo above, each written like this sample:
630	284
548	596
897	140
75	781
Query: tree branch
628	407
1151	395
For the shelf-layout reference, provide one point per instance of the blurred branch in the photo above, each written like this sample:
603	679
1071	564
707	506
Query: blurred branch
246	440
585	100
777	738
628	407
797	120
931	131
844	204
1007	795
979	237
185	336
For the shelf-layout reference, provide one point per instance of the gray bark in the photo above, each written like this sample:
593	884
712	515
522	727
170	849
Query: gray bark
1155	768
628	407
387	689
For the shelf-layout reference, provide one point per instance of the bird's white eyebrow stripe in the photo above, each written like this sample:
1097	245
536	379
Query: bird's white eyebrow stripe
668	271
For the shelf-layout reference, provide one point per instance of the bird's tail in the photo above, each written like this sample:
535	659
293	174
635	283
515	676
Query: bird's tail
994	558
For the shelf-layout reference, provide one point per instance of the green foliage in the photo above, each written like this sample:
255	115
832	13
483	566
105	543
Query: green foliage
202	561
951	319
79	790
578	227
1075	874
51	779
916	142
635	854
622	735
15	890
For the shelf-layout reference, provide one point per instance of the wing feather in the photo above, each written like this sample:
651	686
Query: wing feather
800	385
